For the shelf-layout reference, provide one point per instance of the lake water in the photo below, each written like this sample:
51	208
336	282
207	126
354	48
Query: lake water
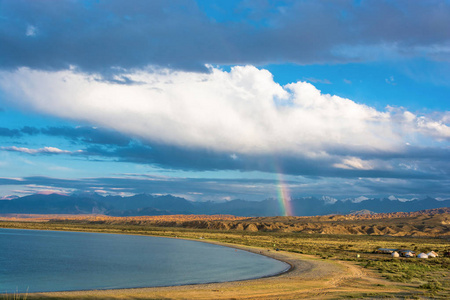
41	261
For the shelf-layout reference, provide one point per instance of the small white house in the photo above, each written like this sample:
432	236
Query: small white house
432	254
395	254
408	254
422	255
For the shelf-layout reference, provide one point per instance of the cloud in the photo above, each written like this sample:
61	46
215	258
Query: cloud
31	31
391	80
9	132
187	34
79	134
241	111
177	158
45	150
432	127
316	80
236	120
355	163
202	189
30	130
8	181
88	135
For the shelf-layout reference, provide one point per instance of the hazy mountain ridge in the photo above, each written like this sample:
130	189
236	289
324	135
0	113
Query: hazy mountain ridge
144	204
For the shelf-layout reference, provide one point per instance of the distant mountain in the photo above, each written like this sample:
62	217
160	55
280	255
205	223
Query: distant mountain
53	204
243	208
385	205
144	204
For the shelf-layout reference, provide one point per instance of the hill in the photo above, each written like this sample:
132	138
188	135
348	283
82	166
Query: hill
429	223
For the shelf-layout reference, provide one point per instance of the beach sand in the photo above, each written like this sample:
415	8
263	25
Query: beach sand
308	278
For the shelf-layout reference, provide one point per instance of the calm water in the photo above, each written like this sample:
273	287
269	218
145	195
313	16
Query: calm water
61	261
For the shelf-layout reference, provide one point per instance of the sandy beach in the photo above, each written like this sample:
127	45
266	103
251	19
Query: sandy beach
308	278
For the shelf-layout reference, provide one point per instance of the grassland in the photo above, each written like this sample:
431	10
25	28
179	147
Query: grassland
370	275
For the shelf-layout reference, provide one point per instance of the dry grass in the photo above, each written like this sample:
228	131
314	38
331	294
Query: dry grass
15	296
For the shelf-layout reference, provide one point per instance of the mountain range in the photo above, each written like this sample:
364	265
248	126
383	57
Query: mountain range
150	205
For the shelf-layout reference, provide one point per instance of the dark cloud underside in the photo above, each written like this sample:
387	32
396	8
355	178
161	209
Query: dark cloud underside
186	34
104	144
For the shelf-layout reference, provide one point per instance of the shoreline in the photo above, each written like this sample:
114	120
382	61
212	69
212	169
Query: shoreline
289	265
301	267
308	277
127	292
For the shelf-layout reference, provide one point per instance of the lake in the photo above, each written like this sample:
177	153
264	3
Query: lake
44	261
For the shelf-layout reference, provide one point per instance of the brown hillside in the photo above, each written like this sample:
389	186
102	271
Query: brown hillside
431	223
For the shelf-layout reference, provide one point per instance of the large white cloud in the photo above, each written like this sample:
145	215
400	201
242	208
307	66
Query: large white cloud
240	111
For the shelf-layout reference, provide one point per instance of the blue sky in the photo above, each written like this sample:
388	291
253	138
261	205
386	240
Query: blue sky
213	100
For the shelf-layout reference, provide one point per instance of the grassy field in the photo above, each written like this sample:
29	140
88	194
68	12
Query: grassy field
429	278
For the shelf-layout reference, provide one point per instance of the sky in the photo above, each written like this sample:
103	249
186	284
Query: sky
222	100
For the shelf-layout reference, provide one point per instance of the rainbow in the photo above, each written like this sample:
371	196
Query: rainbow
283	197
